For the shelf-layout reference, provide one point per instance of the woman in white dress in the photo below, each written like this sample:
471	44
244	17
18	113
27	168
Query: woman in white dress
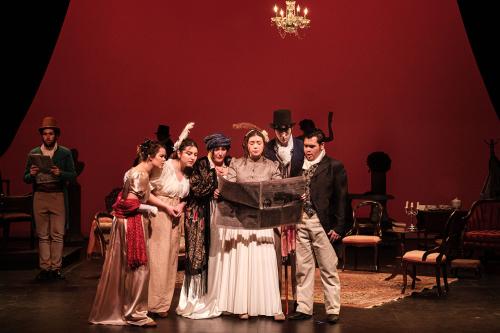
245	268
200	288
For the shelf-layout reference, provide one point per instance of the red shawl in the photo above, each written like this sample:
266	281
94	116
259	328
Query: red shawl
136	245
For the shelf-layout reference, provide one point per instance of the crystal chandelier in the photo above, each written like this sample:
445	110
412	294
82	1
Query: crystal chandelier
292	22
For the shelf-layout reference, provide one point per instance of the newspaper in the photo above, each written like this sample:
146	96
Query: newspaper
260	205
44	163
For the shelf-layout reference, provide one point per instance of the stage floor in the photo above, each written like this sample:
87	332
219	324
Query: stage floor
472	305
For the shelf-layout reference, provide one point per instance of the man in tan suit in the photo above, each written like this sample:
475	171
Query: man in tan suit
323	223
49	197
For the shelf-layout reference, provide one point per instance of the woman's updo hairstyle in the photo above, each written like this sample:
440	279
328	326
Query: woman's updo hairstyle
187	142
147	149
252	133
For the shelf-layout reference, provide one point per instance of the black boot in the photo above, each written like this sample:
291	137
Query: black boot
43	275
57	275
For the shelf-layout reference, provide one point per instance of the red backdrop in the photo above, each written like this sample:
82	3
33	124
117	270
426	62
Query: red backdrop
399	76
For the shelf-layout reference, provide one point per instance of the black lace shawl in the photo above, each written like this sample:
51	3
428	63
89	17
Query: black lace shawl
203	182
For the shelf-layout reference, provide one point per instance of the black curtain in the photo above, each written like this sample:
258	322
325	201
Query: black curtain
491	188
31	31
482	23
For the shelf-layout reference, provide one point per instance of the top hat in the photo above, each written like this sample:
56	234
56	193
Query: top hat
307	125
48	122
282	120
163	130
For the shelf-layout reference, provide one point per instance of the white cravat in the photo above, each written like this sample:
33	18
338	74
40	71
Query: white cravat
307	164
285	152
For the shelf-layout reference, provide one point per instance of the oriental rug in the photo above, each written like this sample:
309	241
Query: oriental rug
361	289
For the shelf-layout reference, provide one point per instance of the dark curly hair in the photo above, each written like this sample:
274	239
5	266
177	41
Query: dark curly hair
147	149
187	142
320	136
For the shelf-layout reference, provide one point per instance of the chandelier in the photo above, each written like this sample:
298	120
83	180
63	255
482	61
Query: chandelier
292	22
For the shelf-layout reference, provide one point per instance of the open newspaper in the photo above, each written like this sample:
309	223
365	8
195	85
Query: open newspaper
44	163
260	205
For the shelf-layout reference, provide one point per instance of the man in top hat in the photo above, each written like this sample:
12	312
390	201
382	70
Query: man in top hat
49	168
163	136
289	152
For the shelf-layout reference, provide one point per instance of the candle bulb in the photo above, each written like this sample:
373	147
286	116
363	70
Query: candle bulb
282	13
276	9
406	206
305	12
411	204
298	9
418	204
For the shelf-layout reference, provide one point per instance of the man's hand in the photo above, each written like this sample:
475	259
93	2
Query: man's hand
34	170
55	171
333	236
216	194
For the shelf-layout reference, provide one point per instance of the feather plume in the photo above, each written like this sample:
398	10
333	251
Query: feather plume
250	126
246	125
266	136
184	134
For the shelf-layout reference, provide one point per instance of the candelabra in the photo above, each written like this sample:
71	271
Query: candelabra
292	22
412	212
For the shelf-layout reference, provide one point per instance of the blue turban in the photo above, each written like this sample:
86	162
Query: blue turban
217	140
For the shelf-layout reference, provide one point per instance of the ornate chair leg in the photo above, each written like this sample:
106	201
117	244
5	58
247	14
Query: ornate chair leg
445	278
405	271
414	275
438	280
376	258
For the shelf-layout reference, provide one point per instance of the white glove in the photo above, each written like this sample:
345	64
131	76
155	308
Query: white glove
150	210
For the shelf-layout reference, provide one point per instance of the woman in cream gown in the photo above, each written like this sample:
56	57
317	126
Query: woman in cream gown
121	297
171	186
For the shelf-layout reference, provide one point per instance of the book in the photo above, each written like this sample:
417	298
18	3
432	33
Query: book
44	163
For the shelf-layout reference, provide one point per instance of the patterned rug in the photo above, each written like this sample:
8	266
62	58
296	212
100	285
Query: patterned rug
360	289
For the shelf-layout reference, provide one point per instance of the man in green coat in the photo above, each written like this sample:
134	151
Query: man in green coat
49	168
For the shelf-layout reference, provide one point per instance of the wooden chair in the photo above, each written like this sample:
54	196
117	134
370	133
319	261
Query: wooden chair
357	237
100	228
99	234
440	255
17	208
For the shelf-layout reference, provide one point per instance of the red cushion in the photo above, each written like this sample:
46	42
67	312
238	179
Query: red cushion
491	236
16	217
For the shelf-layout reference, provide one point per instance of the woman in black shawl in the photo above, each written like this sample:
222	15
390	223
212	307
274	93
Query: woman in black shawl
196	291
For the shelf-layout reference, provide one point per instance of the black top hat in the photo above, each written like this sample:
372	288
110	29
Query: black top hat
307	125
163	130
282	120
